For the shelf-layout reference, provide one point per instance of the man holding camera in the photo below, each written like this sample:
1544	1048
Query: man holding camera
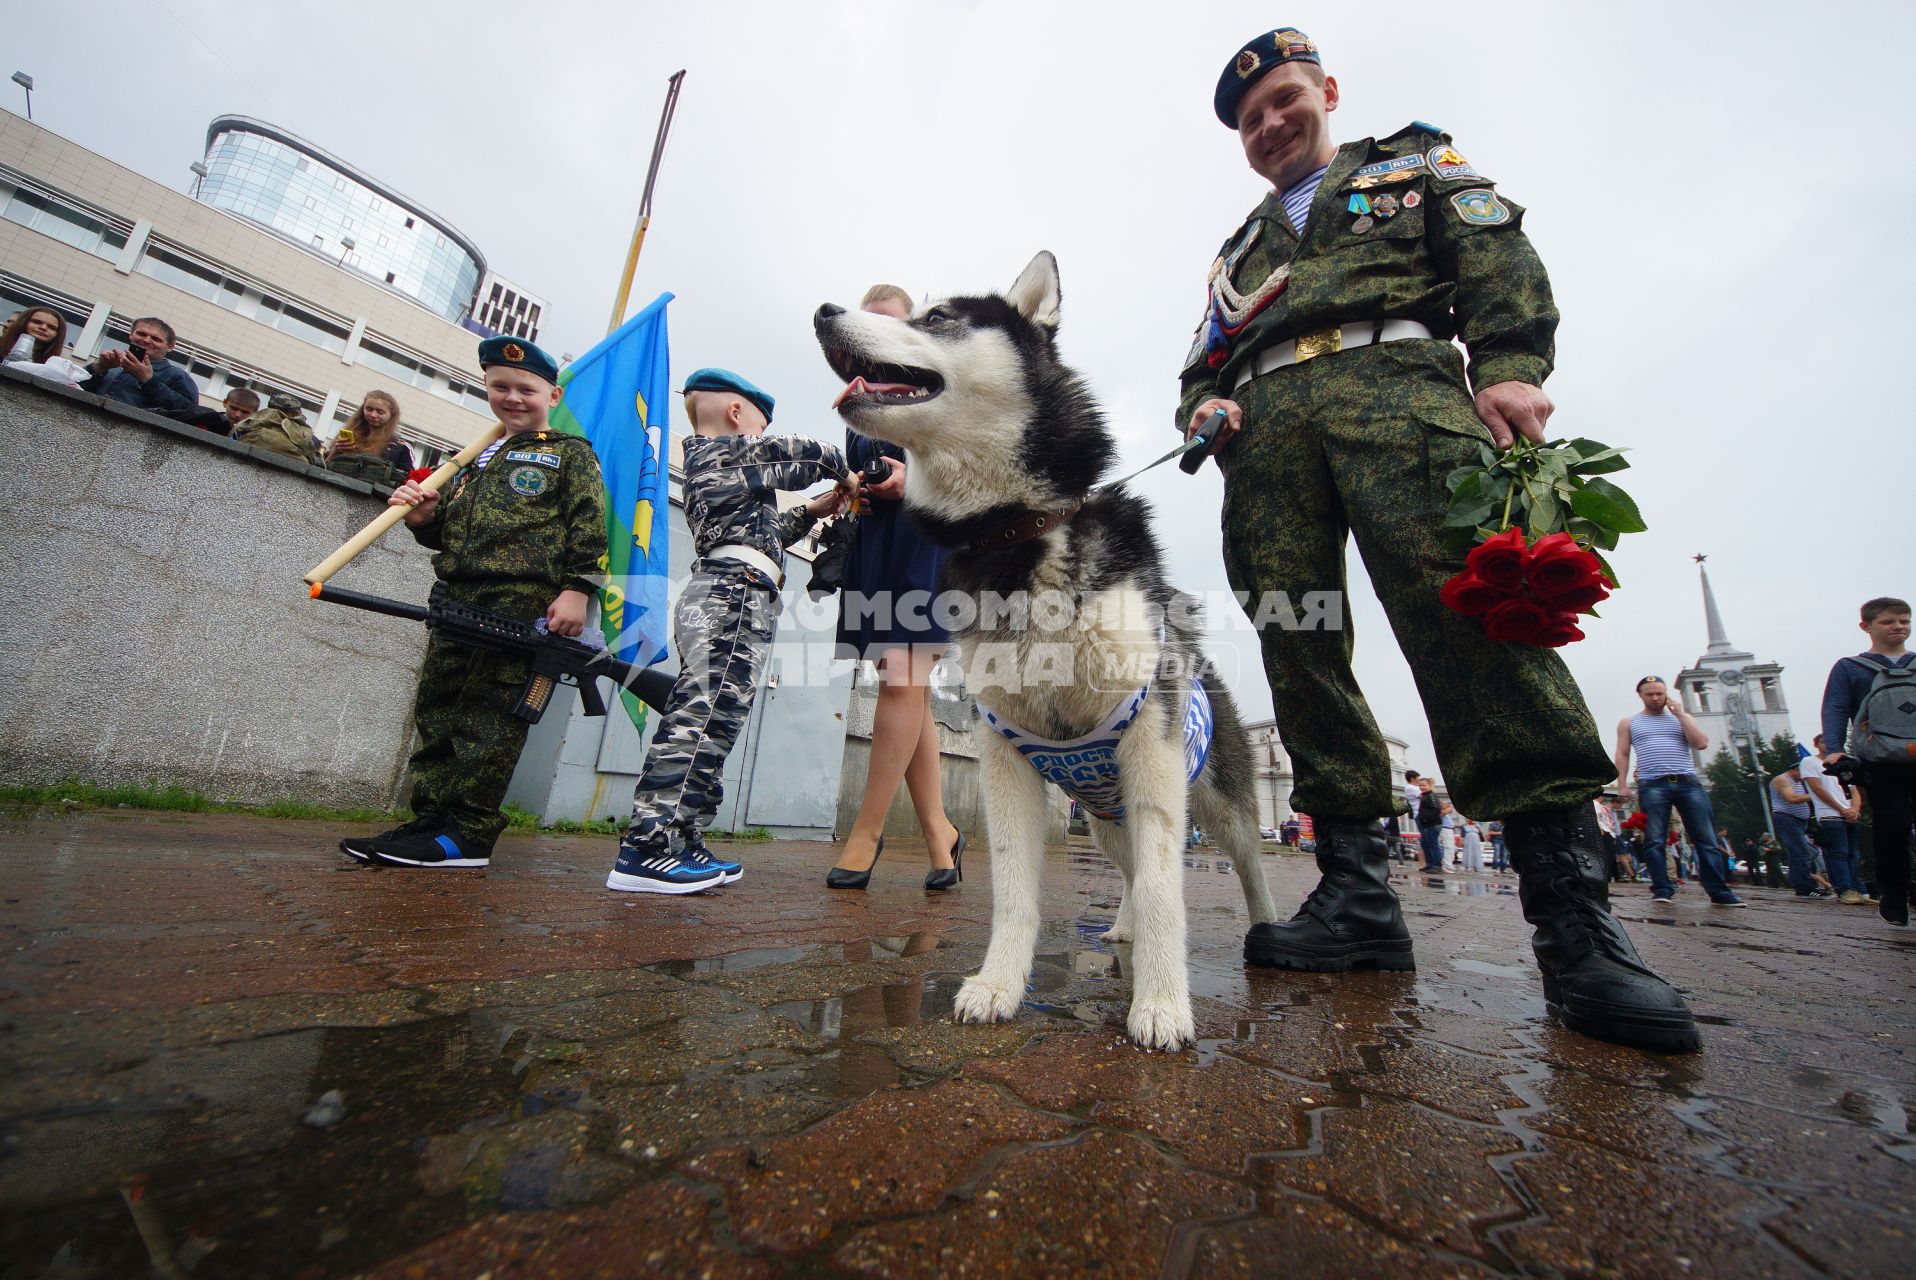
1326	342
1876	691
142	376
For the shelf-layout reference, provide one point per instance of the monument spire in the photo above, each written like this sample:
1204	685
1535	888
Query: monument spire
1719	640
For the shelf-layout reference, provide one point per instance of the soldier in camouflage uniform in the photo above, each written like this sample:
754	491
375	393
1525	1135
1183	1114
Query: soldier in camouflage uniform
521	532
723	625
1328	341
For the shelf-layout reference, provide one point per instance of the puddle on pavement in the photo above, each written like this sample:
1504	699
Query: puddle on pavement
445	1121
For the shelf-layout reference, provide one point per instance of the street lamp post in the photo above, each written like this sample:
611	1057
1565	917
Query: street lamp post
25	81
346	245
199	176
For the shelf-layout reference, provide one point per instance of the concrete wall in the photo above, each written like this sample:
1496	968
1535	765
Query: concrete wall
156	625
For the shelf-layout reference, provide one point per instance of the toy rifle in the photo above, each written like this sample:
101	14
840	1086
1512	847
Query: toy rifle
555	659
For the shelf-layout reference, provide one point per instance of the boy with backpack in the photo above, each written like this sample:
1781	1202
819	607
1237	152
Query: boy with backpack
1877	691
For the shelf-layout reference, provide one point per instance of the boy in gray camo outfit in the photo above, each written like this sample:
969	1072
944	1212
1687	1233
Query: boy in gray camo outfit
723	625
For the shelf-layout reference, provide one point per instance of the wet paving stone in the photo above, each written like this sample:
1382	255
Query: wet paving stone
1127	1200
1360	1167
663	1231
892	1153
1299	1237
274	1064
1185	1111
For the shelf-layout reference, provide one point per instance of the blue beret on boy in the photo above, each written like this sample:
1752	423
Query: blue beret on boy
726	380
517	353
1262	55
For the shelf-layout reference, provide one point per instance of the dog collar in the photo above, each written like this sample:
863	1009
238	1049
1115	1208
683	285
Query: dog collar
1024	528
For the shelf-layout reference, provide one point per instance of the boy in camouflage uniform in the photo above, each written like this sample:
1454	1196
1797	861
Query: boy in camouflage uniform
1328	340
723	625
520	532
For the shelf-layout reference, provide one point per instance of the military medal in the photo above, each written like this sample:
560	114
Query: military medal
1412	199
1364	223
1359	203
1385	206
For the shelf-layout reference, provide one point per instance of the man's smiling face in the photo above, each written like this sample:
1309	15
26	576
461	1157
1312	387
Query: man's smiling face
1284	123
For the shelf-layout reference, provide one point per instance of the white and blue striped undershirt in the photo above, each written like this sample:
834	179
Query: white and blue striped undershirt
479	463
1297	200
1660	745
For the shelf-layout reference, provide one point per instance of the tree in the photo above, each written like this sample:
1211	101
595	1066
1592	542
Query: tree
1738	794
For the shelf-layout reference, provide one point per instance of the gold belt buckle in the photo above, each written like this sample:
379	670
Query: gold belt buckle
1320	342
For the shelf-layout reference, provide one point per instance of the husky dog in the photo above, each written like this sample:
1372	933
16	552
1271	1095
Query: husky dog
1005	446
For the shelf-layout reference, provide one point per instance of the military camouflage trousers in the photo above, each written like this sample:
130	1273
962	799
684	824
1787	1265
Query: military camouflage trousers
723	629
1359	442
468	740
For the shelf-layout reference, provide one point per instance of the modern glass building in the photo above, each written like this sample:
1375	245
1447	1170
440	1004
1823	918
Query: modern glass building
318	201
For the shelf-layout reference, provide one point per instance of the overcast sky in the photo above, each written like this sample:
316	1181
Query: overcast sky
1718	191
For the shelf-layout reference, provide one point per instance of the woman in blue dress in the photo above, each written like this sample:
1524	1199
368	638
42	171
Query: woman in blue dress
892	565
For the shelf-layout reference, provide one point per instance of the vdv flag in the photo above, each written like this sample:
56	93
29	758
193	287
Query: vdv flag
617	396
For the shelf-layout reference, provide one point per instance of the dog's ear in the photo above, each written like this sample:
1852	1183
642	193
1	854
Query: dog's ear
1036	294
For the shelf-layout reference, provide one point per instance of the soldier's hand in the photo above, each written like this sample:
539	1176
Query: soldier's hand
1233	420
420	500
1510	407
565	616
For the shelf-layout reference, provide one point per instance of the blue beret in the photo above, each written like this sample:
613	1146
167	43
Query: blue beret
726	380
1264	54
517	353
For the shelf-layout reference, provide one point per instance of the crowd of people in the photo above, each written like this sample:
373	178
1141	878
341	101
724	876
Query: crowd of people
145	375
1822	830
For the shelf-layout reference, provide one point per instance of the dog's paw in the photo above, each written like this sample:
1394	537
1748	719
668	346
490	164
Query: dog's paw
1161	1024
980	1001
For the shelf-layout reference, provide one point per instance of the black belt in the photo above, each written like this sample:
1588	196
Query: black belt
1667	777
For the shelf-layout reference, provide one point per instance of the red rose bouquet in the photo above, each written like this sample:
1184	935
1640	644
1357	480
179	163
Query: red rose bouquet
1531	573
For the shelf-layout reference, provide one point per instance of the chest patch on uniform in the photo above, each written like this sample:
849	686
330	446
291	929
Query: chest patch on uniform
1448	162
529	481
1086	768
1402	164
1480	207
534	456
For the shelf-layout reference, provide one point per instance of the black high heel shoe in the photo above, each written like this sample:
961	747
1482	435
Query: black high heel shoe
839	878
946	877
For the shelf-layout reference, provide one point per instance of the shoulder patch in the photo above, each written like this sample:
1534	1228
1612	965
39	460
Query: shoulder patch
537	456
1480	207
1447	162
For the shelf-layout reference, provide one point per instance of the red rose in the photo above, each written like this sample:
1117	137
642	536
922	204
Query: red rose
1471	596
1499	561
1562	630
1517	621
1564	575
420	473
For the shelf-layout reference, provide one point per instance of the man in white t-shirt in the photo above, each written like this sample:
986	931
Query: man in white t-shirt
1837	810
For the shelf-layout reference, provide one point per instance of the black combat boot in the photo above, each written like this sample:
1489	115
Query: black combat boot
1351	918
1593	979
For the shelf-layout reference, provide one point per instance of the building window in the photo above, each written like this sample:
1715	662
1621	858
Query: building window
1772	696
181	273
64	223
409	224
1702	701
300	323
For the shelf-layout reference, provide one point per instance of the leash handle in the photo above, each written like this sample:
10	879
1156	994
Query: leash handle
1195	455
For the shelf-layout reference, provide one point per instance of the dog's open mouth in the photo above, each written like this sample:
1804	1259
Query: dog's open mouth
869	382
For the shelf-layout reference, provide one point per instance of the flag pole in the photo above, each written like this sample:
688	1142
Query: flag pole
645	202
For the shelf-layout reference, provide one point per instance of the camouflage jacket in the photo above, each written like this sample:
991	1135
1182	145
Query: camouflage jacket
526	526
282	433
731	484
1450	253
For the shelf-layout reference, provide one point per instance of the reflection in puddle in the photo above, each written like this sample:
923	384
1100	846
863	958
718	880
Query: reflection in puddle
1494	970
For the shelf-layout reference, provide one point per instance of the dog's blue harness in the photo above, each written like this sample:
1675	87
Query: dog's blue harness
1087	767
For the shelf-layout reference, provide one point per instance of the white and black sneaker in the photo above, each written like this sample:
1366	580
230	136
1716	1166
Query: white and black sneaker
360	848
441	849
660	871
